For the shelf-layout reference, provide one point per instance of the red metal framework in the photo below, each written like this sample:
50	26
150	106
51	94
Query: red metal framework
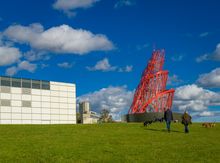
151	93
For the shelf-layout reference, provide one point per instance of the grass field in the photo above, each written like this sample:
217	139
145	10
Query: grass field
109	143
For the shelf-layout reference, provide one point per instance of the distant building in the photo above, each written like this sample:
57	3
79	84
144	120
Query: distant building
26	101
87	116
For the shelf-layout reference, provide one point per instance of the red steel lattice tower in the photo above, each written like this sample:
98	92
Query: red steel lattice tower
151	94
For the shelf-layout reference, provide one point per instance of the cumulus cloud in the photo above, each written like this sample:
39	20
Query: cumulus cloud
60	39
122	3
65	65
35	56
102	65
116	99
206	114
105	66
69	6
215	56
211	79
9	55
194	98
177	58
24	65
174	80
204	34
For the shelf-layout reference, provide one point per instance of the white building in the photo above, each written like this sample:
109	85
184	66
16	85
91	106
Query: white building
87	116
25	101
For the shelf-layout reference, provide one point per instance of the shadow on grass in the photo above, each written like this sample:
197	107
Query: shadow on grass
163	130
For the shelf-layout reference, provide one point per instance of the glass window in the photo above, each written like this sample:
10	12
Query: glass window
26	104
36	84
45	85
5	81
16	82
26	83
5	103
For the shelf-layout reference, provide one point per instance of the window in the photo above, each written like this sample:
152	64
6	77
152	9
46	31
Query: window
45	85
5	103
26	83
36	84
5	81
5	89
26	91
26	104
16	82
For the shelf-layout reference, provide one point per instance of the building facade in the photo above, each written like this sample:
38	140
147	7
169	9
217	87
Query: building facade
87	116
26	101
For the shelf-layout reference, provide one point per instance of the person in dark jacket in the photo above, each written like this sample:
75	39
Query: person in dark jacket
168	117
186	120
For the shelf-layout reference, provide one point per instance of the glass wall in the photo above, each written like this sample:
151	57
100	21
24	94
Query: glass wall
24	83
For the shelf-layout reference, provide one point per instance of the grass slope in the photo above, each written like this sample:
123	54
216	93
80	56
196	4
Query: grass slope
109	143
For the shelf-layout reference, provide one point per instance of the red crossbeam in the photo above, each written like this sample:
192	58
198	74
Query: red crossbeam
151	93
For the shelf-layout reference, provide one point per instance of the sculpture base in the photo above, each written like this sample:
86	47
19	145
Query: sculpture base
141	117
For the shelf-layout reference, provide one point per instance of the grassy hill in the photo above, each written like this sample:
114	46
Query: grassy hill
109	143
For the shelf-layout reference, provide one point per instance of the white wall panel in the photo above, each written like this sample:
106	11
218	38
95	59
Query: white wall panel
54	99
36	104
5	115
46	98
14	121
26	116
16	109
45	92
16	116
16	103
54	93
26	121
35	121
3	121
55	105
36	92
5	109
63	117
36	110
63	100
54	87
26	110
26	97
63	111
6	96
45	104
63	106
45	111
15	90
55	111
45	116
36	98
16	96
36	116
54	117
63	94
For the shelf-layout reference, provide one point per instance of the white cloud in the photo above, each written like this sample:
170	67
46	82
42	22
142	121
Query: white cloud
9	55
141	47
174	80
206	114
24	65
102	65
122	3
194	98
177	58
211	79
204	34
126	69
65	65
116	99
60	39
105	66
34	55
69	6
215	56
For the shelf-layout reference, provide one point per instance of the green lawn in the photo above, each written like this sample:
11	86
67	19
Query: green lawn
109	143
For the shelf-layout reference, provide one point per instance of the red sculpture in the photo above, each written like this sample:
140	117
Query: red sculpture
151	93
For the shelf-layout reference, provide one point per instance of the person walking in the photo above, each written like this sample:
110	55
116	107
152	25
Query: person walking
168	117
186	120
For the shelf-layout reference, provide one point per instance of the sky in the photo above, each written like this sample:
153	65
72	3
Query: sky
104	45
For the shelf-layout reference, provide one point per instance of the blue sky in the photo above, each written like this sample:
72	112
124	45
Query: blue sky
104	45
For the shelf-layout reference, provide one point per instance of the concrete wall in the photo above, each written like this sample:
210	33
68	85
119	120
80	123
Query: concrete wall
147	116
38	106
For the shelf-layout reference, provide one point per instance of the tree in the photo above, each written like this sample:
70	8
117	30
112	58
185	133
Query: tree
105	116
78	118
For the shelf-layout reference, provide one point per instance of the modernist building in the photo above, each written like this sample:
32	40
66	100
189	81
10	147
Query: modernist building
87	116
26	101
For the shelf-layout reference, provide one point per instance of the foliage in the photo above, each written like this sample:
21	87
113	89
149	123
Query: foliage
105	116
109	142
